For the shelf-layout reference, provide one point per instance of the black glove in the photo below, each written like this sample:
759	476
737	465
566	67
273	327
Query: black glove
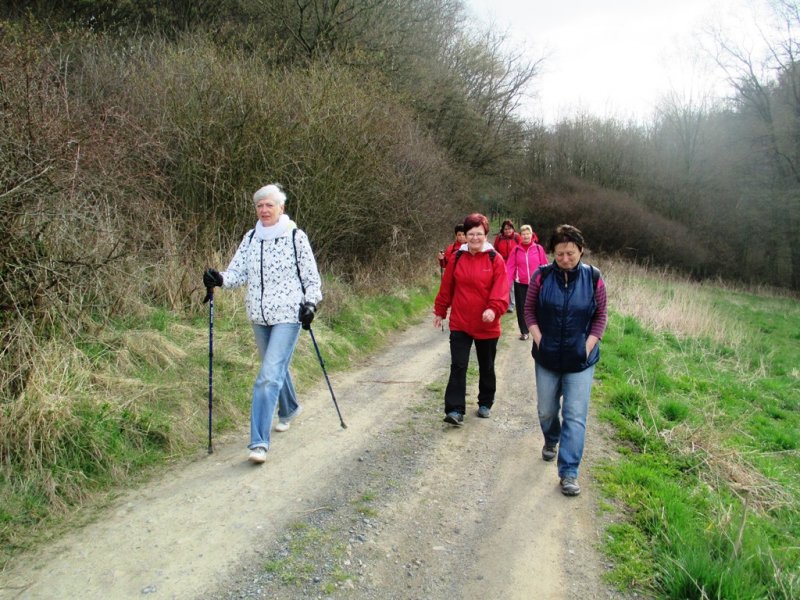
307	314
211	279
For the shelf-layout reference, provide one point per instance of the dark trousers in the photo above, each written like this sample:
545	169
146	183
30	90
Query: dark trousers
520	292
456	392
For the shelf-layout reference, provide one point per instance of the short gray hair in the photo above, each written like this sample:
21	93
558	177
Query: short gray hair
273	190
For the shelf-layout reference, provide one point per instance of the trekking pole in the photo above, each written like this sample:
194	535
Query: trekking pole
322	364
210	299
441	275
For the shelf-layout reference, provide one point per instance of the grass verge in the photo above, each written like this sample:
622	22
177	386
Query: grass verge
707	418
133	395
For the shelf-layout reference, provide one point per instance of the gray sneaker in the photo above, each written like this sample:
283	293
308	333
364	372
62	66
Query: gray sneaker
483	412
454	418
549	452
569	486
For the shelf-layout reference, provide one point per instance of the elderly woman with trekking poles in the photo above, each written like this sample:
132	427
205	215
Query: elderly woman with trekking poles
566	313
475	289
276	263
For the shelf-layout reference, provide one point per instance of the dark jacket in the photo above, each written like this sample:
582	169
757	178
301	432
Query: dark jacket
564	314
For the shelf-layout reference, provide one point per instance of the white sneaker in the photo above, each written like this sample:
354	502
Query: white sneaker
282	425
258	455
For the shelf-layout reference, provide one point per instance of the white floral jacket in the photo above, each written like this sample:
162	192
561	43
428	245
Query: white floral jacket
268	267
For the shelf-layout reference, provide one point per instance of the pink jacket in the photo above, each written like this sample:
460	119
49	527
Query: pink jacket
522	263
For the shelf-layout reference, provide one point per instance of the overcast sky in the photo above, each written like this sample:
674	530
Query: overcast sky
612	57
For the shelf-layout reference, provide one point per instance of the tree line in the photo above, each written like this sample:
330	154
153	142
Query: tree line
132	134
709	186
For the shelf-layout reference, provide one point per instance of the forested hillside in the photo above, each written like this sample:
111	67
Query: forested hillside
133	134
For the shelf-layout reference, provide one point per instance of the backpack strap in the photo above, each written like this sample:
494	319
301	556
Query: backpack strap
544	271
296	262
455	260
492	254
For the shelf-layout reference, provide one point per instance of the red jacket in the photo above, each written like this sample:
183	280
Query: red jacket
448	254
504	245
478	282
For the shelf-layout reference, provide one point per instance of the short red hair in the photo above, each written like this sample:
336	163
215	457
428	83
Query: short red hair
476	220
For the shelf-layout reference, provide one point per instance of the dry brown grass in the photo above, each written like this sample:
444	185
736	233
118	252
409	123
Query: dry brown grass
724	467
662	300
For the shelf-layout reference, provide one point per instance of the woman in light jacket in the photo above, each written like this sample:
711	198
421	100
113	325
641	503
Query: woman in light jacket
277	265
522	261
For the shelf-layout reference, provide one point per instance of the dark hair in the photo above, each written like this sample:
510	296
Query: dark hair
564	234
508	222
476	220
459	227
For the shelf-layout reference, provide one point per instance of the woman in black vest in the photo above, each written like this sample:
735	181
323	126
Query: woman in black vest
565	310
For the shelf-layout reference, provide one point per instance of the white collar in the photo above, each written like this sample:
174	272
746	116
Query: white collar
272	232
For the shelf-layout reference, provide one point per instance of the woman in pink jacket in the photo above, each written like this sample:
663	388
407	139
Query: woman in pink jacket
522	261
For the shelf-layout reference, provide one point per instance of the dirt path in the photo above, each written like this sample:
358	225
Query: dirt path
395	506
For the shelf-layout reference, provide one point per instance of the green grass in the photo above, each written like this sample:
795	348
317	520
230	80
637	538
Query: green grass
363	504
709	468
299	562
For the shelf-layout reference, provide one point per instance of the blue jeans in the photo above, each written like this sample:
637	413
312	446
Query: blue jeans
569	432
273	383
287	400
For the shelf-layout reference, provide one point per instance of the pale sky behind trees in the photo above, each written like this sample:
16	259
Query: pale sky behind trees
617	58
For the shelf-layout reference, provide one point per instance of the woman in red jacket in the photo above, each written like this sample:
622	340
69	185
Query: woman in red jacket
504	243
523	260
447	254
475	289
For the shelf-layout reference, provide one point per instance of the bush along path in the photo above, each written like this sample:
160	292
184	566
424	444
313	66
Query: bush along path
398	505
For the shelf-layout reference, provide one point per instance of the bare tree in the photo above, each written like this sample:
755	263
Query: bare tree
768	94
